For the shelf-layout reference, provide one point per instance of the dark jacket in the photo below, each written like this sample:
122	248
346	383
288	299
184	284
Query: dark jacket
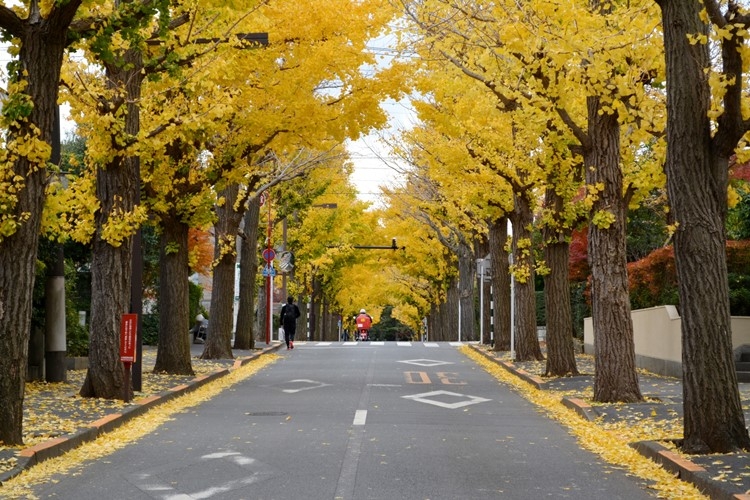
289	322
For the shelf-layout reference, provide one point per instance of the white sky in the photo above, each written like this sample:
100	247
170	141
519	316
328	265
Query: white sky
374	166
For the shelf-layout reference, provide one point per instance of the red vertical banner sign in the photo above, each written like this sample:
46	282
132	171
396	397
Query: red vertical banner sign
128	341
128	333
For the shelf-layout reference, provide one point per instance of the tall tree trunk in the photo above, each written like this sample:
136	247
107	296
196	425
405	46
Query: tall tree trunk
117	189
697	188
173	352
263	312
616	379
221	319
41	52
303	320
18	254
327	329
433	332
437	323
244	337
449	312
466	273
500	284
526	339
317	293
561	359
110	289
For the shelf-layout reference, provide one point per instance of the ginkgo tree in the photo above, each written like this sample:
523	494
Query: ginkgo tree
306	103
707	123
39	33
609	100
419	273
524	56
449	216
502	137
451	193
171	126
478	138
253	123
109	115
282	209
323	237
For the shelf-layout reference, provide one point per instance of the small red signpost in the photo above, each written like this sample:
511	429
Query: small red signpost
128	338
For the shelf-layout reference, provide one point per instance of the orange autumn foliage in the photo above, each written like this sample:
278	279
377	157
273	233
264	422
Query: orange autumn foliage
201	250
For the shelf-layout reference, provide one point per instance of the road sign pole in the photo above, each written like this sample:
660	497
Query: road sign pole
269	278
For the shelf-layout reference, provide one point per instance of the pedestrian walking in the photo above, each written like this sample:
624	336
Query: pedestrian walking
288	319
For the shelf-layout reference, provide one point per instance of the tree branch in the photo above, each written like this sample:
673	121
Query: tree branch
10	22
714	13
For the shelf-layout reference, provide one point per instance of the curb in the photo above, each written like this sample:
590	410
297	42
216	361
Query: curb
585	410
683	468
55	447
687	471
534	380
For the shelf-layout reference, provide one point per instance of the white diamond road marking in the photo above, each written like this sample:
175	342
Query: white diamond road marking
431	344
304	385
425	398
350	343
379	342
425	362
403	344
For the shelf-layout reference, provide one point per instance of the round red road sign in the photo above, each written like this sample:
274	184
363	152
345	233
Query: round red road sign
269	254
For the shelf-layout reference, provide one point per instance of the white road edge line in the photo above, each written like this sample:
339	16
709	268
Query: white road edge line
360	416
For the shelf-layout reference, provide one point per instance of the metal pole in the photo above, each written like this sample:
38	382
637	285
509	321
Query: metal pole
512	311
459	314
269	295
481	300
270	307
492	316
284	292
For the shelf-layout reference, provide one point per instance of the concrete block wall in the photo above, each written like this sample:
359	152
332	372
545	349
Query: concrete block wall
657	334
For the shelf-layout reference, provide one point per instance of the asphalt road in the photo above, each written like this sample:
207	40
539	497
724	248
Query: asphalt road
356	421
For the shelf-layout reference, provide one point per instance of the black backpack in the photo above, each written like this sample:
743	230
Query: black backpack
290	314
